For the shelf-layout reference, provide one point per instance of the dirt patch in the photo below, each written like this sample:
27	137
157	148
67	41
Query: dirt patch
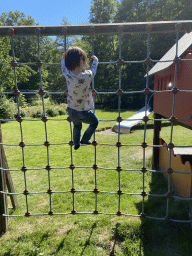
106	131
139	153
65	229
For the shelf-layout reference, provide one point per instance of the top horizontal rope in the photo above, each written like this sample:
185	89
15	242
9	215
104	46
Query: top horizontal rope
108	28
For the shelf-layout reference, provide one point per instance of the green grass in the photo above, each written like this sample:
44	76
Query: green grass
91	234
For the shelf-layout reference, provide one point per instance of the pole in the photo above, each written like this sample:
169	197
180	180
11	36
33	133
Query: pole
157	129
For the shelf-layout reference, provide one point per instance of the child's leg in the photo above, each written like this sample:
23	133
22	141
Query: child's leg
91	119
75	116
77	126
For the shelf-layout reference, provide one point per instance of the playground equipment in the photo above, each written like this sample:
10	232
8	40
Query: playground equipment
126	125
173	80
181	163
119	29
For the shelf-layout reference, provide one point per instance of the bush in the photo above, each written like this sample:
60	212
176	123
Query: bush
62	108
62	112
22	101
52	111
37	111
7	108
37	114
22	113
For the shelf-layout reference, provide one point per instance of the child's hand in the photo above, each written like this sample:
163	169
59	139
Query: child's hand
93	57
66	92
94	92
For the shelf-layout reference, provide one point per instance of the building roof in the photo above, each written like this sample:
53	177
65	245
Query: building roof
183	44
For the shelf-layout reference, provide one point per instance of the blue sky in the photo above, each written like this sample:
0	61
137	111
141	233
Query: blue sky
48	12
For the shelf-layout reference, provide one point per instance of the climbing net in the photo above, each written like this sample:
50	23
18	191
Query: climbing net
65	31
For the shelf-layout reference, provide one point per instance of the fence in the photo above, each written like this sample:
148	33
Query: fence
91	29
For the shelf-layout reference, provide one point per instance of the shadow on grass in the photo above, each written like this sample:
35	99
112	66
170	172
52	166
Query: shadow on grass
160	237
127	236
1	234
62	243
87	243
151	126
118	237
19	243
11	211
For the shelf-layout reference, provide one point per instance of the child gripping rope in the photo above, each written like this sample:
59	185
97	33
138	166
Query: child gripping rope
79	94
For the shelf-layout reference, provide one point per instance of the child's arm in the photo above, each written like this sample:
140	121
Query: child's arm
94	63
63	67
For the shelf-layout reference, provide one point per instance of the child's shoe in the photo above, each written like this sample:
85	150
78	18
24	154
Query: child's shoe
85	143
77	146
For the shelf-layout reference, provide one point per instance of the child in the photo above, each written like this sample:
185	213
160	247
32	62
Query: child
79	93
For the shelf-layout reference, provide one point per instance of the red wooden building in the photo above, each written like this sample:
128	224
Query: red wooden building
165	78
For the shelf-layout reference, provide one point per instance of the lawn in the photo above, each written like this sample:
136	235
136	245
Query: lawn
88	234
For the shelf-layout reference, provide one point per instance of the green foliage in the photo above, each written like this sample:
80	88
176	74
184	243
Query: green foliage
24	73
55	81
26	50
131	11
106	47
51	110
22	101
7	108
15	19
5	70
167	10
102	11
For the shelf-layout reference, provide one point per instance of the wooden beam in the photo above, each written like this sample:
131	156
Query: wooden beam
157	129
10	187
103	28
5	182
3	198
8	178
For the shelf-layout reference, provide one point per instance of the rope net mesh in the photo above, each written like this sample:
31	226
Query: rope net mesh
91	190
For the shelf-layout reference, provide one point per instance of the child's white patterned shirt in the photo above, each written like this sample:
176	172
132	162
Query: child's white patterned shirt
79	90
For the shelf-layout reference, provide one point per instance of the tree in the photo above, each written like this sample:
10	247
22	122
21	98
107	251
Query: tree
130	11
141	11
16	19
54	79
186	12
6	71
26	50
102	11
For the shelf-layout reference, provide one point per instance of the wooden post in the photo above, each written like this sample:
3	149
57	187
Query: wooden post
3	197
190	204
3	204
11	189
5	182
157	129
9	181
